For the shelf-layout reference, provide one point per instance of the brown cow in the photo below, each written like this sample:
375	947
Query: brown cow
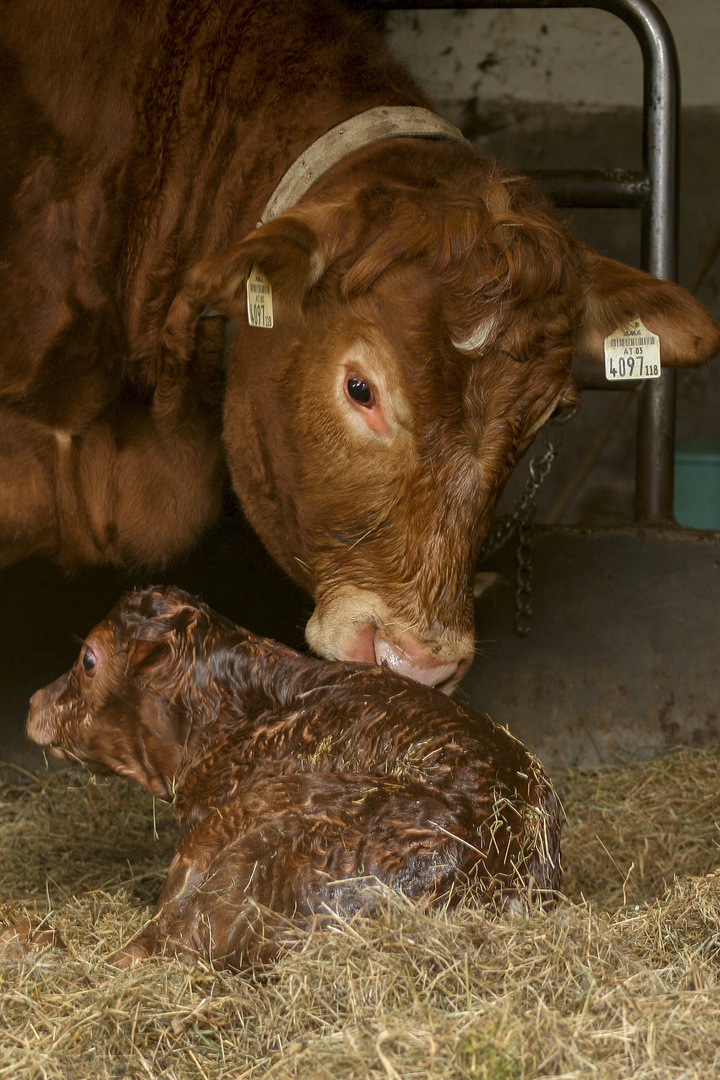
426	311
296	782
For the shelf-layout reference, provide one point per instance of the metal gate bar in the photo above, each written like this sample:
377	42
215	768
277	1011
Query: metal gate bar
654	190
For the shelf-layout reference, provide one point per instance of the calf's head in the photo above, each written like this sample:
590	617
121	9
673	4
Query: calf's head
128	705
427	310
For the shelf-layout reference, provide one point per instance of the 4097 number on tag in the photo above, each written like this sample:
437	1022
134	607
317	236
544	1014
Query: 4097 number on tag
632	352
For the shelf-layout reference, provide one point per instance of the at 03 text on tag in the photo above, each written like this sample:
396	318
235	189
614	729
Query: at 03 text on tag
632	352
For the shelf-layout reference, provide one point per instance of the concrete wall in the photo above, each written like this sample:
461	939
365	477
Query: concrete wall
572	58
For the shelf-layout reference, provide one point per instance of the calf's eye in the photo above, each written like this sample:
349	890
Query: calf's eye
89	661
359	391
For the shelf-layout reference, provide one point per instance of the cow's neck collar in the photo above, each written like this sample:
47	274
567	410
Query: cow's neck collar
371	126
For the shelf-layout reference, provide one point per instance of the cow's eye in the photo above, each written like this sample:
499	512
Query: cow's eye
359	391
89	661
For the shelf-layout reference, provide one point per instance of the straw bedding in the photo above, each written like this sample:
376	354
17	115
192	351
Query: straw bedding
621	980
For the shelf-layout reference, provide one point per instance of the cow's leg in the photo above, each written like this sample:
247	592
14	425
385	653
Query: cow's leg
225	897
148	489
206	907
28	512
171	928
120	491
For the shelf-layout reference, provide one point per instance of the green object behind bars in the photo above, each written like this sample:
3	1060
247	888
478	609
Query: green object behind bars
697	483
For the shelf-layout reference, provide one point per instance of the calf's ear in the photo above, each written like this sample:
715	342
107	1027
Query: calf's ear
616	294
292	251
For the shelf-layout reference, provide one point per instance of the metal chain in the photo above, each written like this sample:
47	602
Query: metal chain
520	523
523	578
504	527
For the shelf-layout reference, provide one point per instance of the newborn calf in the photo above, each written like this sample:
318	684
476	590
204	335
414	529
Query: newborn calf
296	781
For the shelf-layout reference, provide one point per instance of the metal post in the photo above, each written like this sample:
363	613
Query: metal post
656	190
655	455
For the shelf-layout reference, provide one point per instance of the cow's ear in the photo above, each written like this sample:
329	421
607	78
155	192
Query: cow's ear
290	252
617	294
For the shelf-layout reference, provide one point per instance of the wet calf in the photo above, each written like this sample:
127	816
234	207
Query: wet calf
297	782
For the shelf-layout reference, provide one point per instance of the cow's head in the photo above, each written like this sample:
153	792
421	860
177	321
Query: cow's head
427	310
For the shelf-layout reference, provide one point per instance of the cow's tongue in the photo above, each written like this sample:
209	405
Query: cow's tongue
419	668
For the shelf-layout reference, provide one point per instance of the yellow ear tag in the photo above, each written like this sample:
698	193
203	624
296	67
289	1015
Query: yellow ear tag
632	352
259	300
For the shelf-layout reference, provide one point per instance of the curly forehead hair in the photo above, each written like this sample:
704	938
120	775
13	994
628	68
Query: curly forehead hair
177	642
148	614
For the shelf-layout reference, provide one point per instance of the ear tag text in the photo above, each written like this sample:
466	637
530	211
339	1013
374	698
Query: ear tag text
259	300
632	352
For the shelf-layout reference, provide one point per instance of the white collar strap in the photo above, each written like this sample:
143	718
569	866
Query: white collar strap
340	142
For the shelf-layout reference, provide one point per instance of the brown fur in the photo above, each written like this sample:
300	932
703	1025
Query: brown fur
296	781
142	141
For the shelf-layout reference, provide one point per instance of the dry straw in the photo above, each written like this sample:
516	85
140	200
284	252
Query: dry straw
621	980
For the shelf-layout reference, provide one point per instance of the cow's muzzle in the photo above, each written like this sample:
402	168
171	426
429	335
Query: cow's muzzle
354	626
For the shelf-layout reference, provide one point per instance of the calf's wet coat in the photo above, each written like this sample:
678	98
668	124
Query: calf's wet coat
298	783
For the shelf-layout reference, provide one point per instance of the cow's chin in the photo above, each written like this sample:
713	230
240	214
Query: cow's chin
355	625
